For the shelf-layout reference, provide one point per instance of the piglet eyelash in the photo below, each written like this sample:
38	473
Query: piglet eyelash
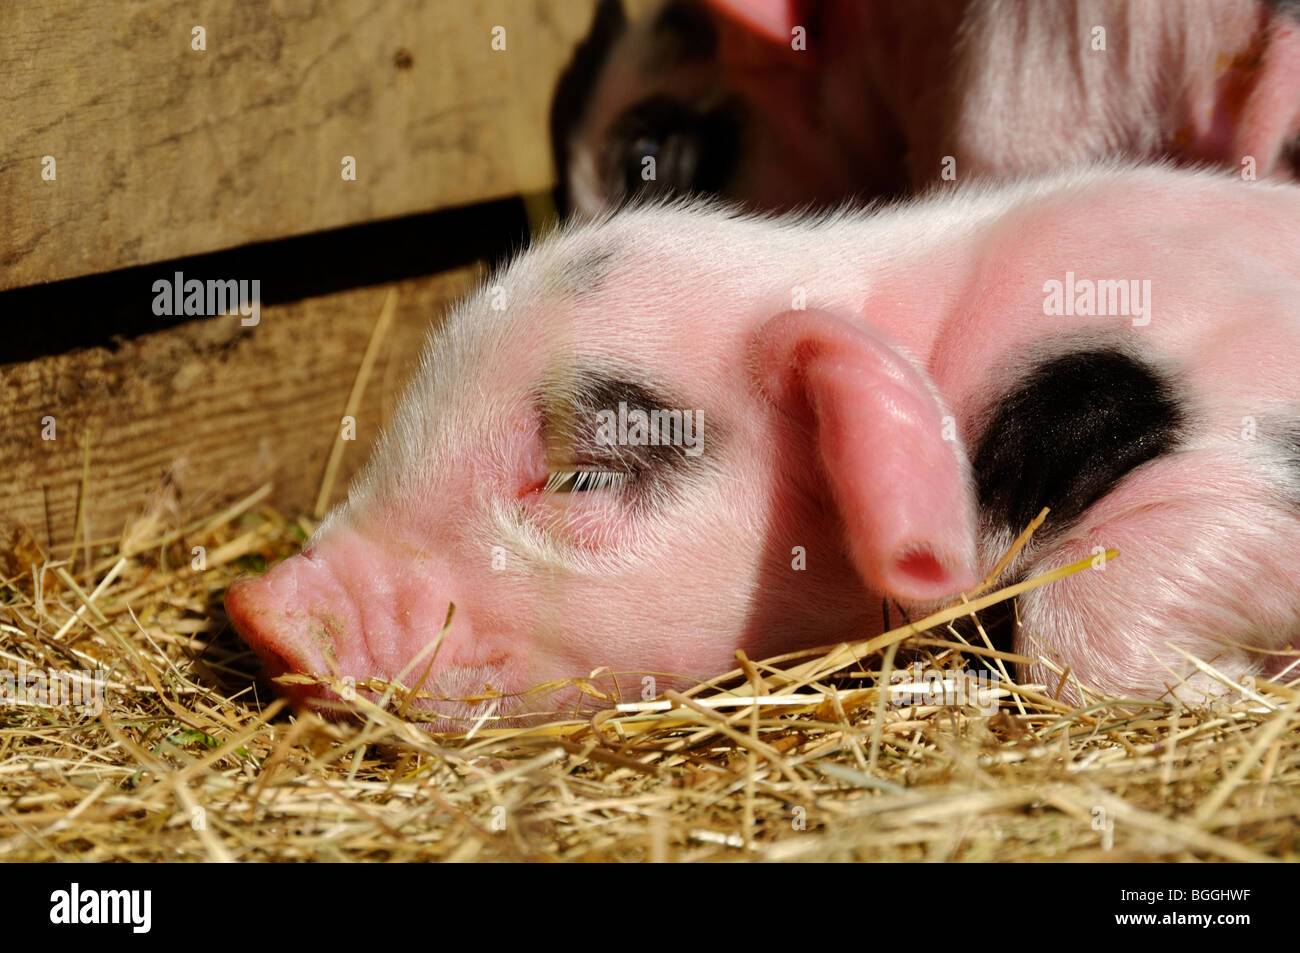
585	481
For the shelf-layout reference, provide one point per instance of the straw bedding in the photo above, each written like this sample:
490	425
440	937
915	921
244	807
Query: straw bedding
880	750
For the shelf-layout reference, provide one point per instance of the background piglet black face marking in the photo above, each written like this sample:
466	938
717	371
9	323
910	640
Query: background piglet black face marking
1068	432
576	85
693	129
685	33
696	146
695	149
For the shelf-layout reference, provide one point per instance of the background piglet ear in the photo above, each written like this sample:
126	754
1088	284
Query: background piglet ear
1270	117
902	489
772	19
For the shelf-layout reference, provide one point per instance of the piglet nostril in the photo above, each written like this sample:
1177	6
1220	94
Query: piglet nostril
274	663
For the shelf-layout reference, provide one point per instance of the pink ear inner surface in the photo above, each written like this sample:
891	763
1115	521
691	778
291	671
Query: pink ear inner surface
901	486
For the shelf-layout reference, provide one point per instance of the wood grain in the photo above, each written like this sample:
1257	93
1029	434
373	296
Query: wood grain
163	151
205	410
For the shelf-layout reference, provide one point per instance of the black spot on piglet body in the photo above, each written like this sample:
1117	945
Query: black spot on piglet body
1068	432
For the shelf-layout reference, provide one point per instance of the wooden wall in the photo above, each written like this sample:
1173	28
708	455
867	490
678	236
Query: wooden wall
181	418
163	151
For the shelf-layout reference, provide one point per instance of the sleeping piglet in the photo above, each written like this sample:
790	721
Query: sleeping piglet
783	102
679	431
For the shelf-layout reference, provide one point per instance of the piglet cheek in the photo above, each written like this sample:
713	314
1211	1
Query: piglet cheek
587	520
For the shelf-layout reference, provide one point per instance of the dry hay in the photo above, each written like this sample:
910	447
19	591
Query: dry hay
191	759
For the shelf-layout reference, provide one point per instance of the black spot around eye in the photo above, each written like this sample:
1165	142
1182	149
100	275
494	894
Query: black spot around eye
1069	432
607	394
572	423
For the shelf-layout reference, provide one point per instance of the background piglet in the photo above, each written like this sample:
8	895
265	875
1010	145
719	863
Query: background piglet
932	389
884	90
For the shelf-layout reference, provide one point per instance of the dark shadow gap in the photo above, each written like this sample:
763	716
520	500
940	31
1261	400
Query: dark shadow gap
99	310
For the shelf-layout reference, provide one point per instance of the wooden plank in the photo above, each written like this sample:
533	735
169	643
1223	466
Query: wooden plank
162	151
205	410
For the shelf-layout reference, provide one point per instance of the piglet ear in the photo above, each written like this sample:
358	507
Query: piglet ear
902	489
773	19
1270	116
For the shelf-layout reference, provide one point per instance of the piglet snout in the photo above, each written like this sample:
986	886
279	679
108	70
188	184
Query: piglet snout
289	616
323	612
